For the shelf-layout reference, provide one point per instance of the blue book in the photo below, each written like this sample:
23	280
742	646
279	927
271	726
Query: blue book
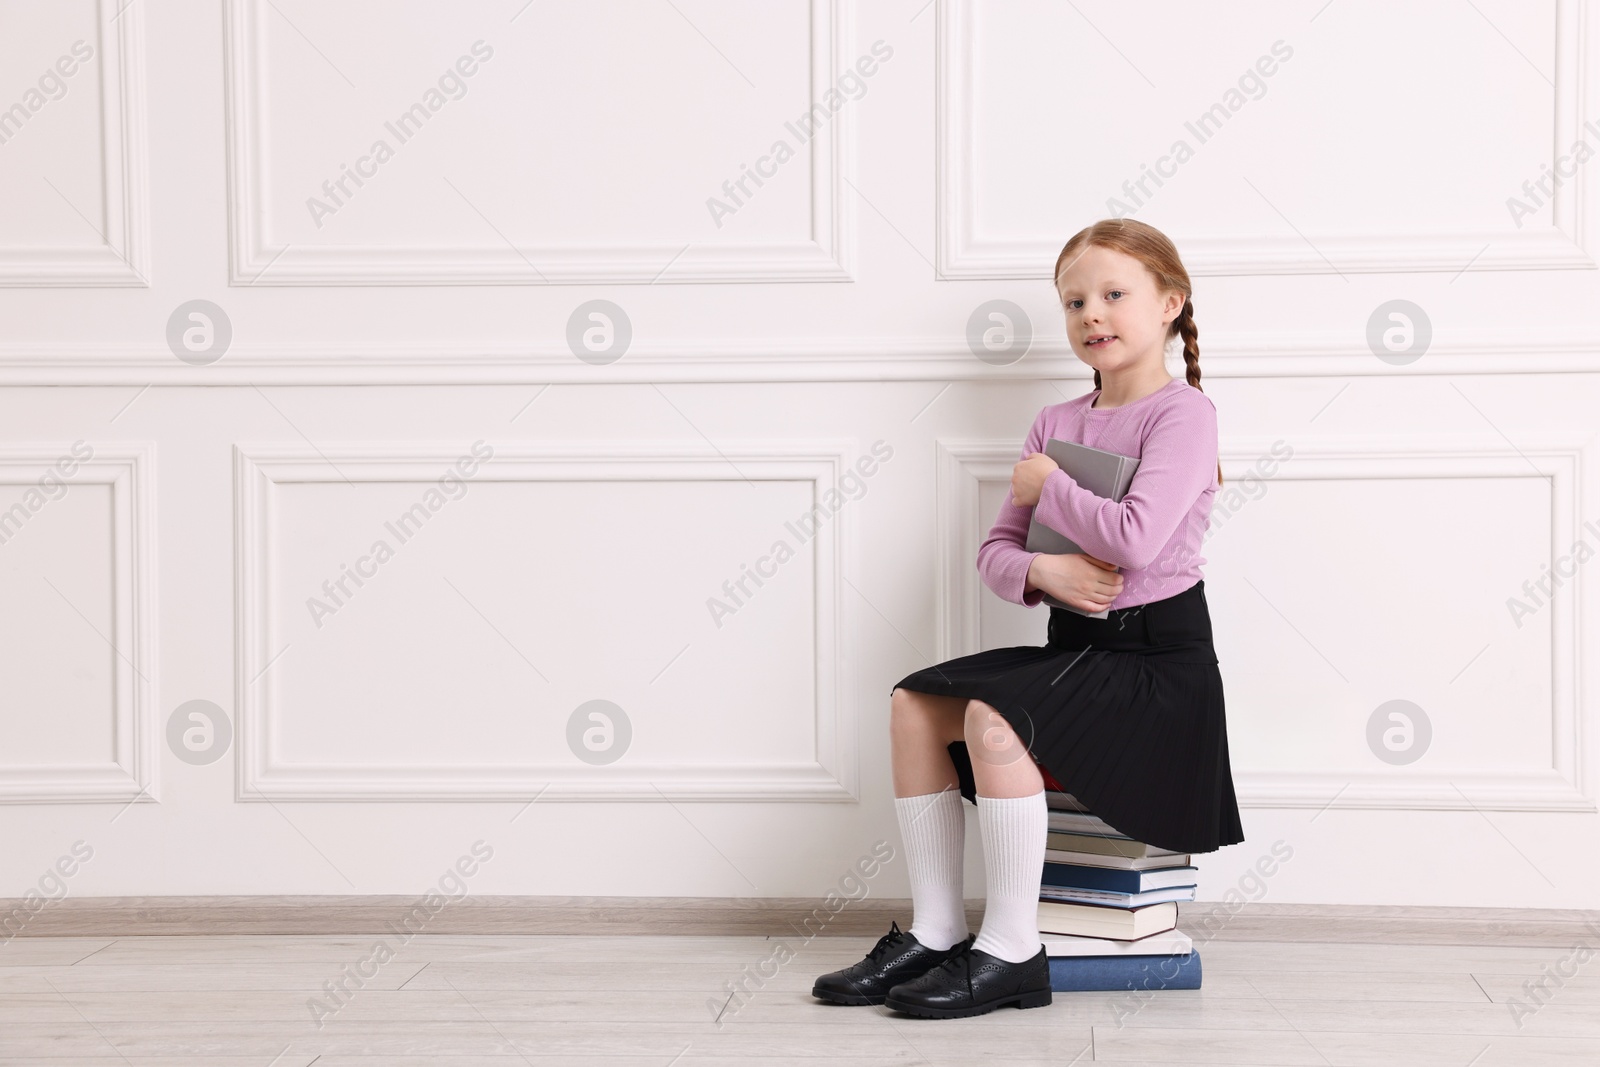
1078	974
1112	880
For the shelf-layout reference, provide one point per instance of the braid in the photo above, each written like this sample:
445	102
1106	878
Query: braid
1184	326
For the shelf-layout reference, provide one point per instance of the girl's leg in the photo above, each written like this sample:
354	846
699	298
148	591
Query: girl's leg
921	728
928	808
1013	820
1001	765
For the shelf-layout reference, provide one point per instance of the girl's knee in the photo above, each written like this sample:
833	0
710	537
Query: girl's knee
914	713
990	738
983	718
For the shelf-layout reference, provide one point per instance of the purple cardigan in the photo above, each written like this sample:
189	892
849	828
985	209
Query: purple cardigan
1154	533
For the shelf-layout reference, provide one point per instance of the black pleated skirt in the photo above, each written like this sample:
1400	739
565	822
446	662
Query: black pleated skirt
1125	713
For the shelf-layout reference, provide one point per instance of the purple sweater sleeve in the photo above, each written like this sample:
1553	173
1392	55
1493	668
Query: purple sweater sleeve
1178	460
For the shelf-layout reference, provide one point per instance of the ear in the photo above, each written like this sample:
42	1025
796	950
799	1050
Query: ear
1175	302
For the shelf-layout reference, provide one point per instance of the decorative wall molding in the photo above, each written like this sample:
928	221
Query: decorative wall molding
826	359
1558	456
833	775
136	729
1568	244
126	208
828	255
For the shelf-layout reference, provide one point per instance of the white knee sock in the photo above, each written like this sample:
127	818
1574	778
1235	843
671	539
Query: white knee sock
1013	862
933	827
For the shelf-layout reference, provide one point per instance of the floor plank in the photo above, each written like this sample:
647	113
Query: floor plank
497	1000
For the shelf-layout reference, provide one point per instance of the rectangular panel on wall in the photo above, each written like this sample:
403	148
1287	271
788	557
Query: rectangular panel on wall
1053	115
72	190
377	142
561	621
1356	575
76	638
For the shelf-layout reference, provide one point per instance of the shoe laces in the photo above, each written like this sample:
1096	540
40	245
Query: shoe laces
894	935
961	960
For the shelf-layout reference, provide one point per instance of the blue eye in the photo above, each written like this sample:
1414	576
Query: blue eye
1072	305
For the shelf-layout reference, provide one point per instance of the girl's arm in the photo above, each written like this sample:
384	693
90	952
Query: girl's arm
1176	464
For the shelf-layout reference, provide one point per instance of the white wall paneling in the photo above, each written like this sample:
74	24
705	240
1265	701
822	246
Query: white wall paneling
80	624
973	89
76	145
485	189
742	688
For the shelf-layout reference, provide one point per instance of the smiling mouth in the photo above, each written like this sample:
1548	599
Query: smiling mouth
1100	342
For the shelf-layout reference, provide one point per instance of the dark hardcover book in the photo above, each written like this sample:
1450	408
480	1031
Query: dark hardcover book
1108	880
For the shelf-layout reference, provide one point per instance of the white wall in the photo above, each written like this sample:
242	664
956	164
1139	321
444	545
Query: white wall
374	341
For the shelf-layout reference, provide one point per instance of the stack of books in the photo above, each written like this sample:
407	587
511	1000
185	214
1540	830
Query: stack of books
1108	906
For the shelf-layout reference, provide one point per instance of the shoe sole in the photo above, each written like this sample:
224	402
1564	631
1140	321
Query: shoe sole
1037	999
852	999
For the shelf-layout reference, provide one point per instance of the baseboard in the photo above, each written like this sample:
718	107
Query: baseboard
742	916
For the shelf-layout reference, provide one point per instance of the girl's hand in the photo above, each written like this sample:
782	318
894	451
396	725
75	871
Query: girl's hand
1075	578
1027	478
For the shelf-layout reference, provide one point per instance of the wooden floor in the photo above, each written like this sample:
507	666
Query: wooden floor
498	1001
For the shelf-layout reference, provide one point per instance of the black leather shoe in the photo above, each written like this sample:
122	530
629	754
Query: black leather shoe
972	982
896	957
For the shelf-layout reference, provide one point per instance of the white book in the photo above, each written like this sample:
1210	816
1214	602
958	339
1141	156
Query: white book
1170	943
1097	920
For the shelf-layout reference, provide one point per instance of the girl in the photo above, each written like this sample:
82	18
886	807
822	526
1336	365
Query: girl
1125	712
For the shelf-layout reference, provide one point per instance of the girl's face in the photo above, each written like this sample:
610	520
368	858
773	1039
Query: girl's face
1116	316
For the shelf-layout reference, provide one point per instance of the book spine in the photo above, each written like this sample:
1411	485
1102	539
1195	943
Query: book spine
1103	879
1081	974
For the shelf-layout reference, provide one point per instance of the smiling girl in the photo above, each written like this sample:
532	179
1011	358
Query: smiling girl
1126	712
